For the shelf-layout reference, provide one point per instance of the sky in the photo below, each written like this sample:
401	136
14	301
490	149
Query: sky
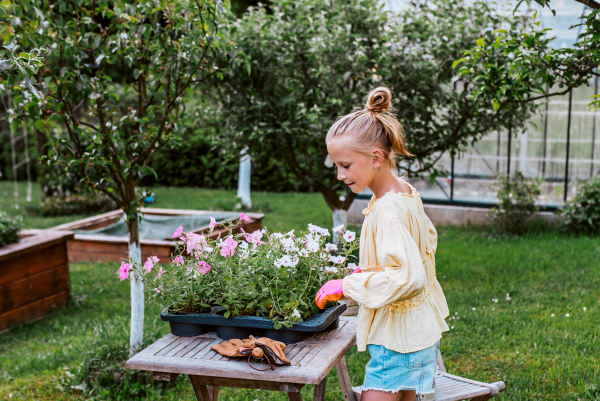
567	14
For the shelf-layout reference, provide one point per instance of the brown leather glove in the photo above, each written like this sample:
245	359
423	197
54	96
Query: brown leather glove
274	350
234	347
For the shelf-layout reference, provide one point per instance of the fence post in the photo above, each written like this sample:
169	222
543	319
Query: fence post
568	146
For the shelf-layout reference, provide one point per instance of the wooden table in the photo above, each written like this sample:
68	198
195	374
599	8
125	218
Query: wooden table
311	360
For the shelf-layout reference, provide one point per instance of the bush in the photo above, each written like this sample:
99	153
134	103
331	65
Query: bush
582	214
517	196
76	204
9	229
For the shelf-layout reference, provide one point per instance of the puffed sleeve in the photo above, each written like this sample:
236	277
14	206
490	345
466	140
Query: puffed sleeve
403	277
431	235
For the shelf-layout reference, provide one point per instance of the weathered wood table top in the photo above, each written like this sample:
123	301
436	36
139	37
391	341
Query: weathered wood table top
311	360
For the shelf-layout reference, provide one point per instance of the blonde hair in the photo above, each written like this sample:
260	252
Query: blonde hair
375	126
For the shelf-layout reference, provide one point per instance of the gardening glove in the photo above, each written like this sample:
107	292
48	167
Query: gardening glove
234	347
274	350
331	291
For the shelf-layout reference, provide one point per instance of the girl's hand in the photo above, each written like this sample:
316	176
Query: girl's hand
331	291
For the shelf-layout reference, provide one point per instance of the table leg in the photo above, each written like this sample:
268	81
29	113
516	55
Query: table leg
214	392
295	396
344	377
320	390
200	390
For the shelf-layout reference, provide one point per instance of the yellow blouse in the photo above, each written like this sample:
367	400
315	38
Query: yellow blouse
402	303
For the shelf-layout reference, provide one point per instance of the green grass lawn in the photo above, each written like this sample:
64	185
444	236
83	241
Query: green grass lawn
524	339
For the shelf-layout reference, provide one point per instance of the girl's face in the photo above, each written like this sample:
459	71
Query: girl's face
356	169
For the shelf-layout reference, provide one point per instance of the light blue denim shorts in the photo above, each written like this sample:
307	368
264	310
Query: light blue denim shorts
392	371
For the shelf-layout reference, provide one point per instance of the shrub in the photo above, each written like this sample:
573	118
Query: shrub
76	204
9	229
582	213
517	196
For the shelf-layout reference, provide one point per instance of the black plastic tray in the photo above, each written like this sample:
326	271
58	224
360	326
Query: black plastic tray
194	324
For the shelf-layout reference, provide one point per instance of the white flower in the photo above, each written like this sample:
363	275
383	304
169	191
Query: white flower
330	247
324	232
329	269
474	308
303	252
337	259
507	297
295	261
312	246
277	263
244	245
349	236
567	315
114	128
338	228
291	233
584	308
552	315
351	266
314	229
296	314
495	300
286	261
208	249
108	124
277	235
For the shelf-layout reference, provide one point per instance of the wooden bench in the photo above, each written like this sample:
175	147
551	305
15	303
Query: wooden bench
311	361
447	387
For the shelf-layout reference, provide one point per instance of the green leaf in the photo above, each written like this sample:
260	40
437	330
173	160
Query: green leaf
457	62
496	104
480	42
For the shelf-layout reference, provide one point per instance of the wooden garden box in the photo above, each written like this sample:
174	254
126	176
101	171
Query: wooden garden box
34	277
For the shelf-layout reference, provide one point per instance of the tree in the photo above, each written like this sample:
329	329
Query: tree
117	83
517	68
315	60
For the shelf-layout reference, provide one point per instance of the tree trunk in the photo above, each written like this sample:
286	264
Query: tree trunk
136	336
339	218
244	180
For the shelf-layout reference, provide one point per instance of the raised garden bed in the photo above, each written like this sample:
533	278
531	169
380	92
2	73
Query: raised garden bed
104	247
34	277
194	324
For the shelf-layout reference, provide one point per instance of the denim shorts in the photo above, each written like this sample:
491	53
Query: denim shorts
392	371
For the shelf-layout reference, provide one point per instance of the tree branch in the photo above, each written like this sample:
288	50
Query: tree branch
590	3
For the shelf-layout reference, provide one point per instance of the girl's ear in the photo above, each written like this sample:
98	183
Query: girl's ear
377	158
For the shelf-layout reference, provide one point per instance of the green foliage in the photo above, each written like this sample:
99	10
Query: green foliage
582	213
117	82
9	229
277	278
76	204
306	63
517	196
511	68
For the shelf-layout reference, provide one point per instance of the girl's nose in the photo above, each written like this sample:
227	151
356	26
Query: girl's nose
341	177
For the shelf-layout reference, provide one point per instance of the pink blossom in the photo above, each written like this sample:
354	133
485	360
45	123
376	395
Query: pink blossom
149	265
195	241
124	270
177	232
213	224
160	289
161	272
178	260
203	267
254	237
244	217
228	247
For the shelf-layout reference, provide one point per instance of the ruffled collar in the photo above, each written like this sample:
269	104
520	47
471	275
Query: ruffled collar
373	202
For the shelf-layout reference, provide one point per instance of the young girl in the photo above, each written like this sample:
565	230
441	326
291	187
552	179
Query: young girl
403	308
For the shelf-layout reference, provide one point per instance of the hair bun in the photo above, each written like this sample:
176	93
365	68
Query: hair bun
379	100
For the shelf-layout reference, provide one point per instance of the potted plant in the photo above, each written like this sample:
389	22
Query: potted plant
248	283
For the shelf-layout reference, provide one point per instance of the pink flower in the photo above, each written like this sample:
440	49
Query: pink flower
254	237
160	289
203	267
177	232
244	217
213	224
178	260
161	272
195	241
152	260
228	247
124	270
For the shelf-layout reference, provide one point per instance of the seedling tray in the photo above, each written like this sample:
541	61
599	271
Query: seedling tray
194	324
